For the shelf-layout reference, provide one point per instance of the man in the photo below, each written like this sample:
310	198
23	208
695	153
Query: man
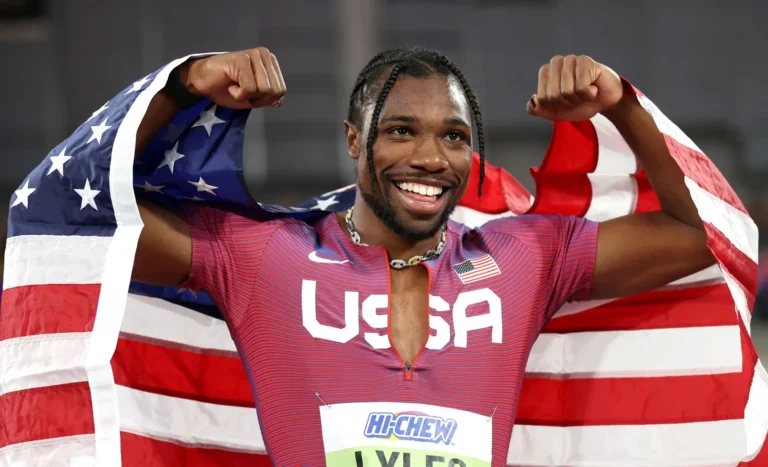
289	288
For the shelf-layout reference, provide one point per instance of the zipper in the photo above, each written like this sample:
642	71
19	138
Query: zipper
408	373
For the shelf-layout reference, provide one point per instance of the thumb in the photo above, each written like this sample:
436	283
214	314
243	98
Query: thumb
530	107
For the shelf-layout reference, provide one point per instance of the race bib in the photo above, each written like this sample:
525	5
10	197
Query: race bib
395	434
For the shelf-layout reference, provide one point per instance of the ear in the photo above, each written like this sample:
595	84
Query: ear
353	139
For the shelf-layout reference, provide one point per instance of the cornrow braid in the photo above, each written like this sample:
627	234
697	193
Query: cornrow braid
416	62
372	133
448	63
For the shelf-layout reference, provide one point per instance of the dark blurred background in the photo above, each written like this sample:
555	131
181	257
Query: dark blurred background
703	62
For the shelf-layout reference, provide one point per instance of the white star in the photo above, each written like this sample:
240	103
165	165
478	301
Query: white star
22	195
138	85
323	204
100	110
171	156
87	195
98	131
150	187
202	186
57	162
207	119
193	292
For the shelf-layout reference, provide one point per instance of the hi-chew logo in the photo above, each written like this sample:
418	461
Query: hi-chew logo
410	426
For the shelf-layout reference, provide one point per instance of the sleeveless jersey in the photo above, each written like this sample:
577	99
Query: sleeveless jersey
308	311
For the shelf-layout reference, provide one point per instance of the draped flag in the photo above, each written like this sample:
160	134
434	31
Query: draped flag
97	371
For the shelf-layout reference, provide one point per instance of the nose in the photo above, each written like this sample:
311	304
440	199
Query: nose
429	156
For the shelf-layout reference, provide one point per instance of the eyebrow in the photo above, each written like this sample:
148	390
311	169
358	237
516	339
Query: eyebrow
410	119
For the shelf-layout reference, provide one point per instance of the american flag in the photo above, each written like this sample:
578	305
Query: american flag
97	370
477	269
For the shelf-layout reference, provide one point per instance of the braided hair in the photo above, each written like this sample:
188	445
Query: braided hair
418	63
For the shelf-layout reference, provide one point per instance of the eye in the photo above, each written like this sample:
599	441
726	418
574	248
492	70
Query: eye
456	136
400	131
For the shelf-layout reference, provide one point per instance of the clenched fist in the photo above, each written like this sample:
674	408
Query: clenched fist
237	80
575	88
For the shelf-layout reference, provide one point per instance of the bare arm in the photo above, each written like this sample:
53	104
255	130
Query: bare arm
644	251
246	79
638	252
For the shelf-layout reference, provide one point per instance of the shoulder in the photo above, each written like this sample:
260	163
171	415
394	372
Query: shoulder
524	225
238	225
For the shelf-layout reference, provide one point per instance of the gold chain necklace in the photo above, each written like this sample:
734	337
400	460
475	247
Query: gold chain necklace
398	263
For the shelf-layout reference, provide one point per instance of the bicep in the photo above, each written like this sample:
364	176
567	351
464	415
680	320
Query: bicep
164	253
641	252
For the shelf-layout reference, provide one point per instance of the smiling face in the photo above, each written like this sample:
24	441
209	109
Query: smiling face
422	155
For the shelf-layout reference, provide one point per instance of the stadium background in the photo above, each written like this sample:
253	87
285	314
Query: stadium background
701	61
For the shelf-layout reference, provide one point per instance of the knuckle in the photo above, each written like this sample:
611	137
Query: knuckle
570	58
263	52
556	59
544	69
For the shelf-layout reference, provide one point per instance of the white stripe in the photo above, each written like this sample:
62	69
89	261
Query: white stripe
685	444
644	353
756	412
666	126
159	319
613	196
737	227
740	300
54	259
43	360
189	422
56	452
615	156
627	353
709	276
474	219
117	275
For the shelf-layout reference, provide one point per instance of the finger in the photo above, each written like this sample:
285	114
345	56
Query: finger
274	81
568	80
553	84
276	65
246	80
262	78
543	79
583	85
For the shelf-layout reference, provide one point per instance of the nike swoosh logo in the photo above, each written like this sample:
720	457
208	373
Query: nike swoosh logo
316	259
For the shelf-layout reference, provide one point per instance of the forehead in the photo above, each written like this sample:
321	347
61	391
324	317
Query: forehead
435	97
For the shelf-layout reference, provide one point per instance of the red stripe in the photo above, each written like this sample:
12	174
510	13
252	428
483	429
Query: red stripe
48	309
47	412
704	172
633	401
562	185
691	307
629	401
175	372
739	265
501	192
647	201
140	451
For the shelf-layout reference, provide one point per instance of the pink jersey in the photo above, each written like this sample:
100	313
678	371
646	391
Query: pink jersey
307	309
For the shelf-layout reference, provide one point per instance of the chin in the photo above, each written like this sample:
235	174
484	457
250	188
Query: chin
409	225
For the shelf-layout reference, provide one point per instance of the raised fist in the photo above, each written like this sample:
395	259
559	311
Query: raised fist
237	80
575	88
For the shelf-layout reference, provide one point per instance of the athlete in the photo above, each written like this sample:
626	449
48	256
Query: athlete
432	371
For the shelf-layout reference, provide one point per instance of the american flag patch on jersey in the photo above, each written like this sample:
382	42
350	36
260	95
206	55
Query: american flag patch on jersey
477	269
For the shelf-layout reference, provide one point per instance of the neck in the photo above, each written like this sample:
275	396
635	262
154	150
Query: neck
375	233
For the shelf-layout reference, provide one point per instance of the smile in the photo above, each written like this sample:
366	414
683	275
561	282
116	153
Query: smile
421	198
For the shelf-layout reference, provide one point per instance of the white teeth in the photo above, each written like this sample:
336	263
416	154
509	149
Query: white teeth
427	190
